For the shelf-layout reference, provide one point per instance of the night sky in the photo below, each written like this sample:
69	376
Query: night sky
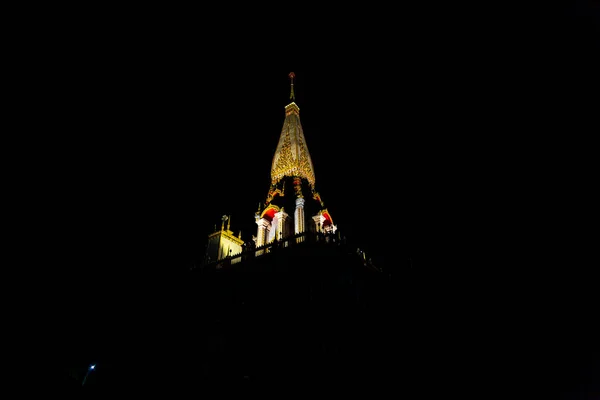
430	143
183	154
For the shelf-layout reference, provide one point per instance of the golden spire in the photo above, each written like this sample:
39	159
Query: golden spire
292	75
228	222
291	155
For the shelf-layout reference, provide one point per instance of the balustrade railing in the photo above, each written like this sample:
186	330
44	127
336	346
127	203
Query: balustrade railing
271	247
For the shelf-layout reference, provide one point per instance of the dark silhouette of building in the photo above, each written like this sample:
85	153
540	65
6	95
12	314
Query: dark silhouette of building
299	307
302	307
300	304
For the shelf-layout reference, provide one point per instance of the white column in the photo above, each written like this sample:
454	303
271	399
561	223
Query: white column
299	218
318	222
261	233
281	217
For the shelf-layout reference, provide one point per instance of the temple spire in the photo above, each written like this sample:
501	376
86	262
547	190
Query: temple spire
291	157
292	96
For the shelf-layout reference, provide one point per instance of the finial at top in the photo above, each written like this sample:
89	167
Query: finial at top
292	75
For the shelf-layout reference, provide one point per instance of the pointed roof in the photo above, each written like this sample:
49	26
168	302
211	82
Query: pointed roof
291	156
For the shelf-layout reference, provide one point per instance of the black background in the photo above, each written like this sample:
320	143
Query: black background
433	137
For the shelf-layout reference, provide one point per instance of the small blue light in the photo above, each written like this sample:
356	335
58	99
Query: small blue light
92	366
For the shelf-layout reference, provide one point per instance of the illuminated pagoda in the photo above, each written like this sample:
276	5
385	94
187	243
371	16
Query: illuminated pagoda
296	295
293	210
295	306
292	187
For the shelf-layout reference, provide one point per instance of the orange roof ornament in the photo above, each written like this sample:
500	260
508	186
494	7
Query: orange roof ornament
291	76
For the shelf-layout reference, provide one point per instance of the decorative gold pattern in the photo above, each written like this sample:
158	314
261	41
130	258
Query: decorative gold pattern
291	156
272	192
317	196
